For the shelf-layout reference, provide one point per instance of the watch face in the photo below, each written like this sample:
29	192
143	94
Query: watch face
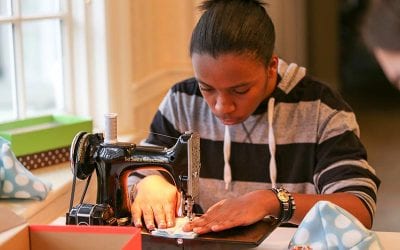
283	196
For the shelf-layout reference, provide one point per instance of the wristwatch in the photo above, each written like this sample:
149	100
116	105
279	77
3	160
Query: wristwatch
287	203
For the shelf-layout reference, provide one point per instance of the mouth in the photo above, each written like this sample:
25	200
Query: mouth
229	121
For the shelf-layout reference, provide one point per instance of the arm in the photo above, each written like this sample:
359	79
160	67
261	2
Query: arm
155	199
347	201
256	205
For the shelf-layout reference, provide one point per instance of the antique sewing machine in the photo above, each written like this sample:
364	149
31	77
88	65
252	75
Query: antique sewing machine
114	162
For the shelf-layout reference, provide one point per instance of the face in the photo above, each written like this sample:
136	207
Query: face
233	85
390	63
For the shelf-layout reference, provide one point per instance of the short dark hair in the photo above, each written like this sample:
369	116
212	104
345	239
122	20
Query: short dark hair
238	26
382	25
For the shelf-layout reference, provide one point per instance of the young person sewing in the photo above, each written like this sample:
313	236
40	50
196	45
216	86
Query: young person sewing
263	124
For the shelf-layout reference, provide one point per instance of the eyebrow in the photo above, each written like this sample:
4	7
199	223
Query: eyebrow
236	86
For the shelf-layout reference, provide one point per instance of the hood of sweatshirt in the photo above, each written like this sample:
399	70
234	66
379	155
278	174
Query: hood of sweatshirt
289	75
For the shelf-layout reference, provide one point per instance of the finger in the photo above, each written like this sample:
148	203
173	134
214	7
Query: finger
169	211
148	218
198	222
159	215
225	224
207	223
202	230
188	226
221	226
216	205
136	215
214	226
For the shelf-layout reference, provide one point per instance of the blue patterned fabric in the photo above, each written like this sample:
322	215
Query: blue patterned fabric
15	180
328	226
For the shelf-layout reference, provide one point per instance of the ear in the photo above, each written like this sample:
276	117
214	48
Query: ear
273	66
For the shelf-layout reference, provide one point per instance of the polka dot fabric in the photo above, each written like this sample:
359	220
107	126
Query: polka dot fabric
327	226
15	180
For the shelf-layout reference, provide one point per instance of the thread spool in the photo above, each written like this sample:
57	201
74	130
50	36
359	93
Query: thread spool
110	133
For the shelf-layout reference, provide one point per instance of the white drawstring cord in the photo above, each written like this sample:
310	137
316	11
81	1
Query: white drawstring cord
271	142
227	156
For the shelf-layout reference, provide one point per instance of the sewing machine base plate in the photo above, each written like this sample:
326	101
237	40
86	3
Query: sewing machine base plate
236	238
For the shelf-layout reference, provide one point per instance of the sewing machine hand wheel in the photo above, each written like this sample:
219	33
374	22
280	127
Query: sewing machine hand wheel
81	155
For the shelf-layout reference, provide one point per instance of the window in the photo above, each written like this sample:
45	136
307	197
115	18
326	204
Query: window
51	52
32	38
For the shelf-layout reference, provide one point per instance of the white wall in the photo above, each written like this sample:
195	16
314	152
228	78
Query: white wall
289	17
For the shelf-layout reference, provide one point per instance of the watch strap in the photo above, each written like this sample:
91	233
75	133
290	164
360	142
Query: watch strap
287	203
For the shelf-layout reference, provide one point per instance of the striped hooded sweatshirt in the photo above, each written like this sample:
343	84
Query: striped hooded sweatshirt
304	137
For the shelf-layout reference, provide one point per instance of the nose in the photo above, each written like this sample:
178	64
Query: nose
224	104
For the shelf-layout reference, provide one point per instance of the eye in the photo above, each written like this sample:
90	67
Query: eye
204	88
241	90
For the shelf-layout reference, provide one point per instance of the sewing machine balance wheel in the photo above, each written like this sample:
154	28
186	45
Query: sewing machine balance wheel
80	155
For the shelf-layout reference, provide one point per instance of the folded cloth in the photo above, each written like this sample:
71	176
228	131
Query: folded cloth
176	231
328	226
15	180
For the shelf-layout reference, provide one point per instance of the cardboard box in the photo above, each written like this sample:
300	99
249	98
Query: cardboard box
52	237
25	237
15	233
43	141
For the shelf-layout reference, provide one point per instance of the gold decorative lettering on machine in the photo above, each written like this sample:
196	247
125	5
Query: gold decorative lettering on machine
145	159
114	162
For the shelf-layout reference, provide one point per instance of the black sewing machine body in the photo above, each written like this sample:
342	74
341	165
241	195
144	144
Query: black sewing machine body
115	162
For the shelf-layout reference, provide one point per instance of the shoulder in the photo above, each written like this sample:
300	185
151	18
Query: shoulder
310	89
188	86
184	100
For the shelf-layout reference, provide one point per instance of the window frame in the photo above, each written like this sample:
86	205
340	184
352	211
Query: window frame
17	19
84	52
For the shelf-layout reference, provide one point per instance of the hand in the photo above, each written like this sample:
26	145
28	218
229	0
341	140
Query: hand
156	201
241	211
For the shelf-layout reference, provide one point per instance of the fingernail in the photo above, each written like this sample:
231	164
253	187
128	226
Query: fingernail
170	224
185	228
214	228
